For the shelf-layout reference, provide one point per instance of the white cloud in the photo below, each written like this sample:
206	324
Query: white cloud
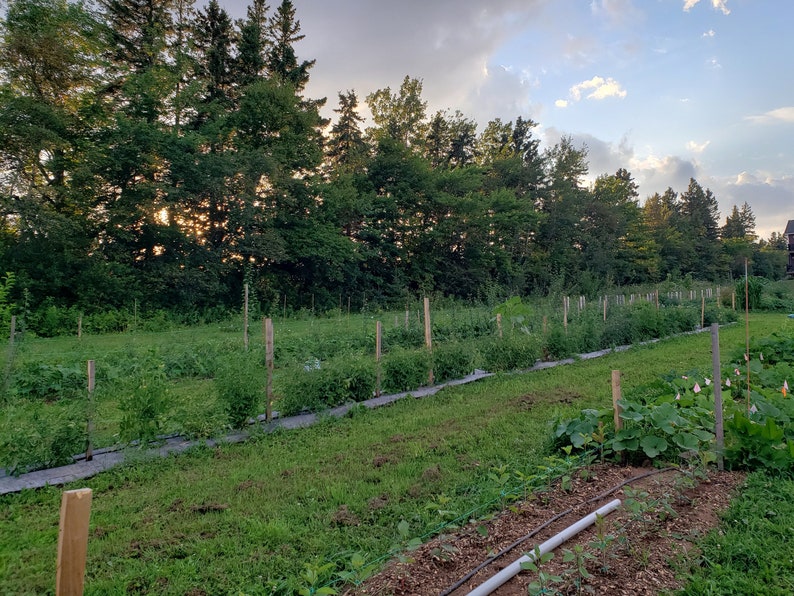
713	63
561	103
709	33
785	114
601	89
697	147
721	5
769	198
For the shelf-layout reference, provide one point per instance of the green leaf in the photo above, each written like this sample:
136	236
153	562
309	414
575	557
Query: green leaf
686	441
653	445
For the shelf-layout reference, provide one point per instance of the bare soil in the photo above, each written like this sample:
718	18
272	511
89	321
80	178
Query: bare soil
650	540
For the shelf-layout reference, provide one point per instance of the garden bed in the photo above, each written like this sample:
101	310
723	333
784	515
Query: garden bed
642	548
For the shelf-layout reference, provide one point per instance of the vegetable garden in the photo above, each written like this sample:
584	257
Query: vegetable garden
297	512
201	382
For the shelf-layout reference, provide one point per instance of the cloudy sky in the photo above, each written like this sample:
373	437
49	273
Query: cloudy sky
669	89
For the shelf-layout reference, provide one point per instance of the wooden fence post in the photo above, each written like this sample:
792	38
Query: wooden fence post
616	395
245	318
89	448
605	308
269	366
715	364
499	323
80	327
428	339
73	542
378	345
565	313
702	309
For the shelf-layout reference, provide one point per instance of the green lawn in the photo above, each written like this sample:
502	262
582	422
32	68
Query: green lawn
249	517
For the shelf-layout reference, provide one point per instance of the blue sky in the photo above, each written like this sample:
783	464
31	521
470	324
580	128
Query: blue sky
668	89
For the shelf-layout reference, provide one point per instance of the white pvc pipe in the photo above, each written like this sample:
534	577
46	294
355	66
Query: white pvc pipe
512	570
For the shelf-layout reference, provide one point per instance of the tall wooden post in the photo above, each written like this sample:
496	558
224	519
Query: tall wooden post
616	395
428	339
378	346
89	449
80	327
73	542
245	318
499	323
605	308
269	365
715	365
702	310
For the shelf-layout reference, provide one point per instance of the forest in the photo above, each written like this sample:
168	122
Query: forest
161	153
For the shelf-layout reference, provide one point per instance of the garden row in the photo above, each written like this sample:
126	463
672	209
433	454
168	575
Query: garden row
675	417
202	390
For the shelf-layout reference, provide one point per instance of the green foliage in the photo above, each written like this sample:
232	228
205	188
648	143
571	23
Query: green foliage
404	370
144	404
514	312
43	440
513	352
48	382
239	383
452	361
328	384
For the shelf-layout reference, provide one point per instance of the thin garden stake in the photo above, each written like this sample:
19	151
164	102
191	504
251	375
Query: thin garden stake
245	318
715	363
89	449
747	328
616	395
378	345
428	339
269	365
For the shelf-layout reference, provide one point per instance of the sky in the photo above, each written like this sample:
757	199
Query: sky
668	89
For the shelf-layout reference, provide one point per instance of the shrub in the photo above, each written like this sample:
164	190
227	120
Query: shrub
144	404
404	370
557	343
513	352
239	385
48	382
335	382
42	440
452	361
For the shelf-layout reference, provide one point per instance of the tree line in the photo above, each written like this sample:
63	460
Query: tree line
154	151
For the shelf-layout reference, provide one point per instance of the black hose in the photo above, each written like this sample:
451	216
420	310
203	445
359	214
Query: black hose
546	524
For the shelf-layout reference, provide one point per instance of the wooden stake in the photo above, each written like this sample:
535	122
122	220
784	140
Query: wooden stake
73	542
747	330
702	310
407	317
605	308
13	330
89	449
378	345
565	313
269	365
428	338
245	318
616	395
499	323
715	365
80	327
657	298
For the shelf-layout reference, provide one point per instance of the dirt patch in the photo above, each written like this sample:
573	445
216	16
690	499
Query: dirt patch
554	395
635	550
209	507
344	517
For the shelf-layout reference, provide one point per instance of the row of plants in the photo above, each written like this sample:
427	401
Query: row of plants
674	417
139	389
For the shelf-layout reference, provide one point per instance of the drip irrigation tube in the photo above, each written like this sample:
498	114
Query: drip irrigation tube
546	524
512	570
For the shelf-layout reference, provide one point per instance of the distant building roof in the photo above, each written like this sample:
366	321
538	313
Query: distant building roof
789	228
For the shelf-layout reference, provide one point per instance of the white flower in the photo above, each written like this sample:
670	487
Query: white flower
708	382
753	409
728	382
696	388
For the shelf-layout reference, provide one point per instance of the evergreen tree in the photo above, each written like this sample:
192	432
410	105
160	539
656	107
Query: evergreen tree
346	148
700	232
283	31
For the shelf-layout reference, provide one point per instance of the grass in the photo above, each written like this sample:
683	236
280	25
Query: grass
753	551
249	517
